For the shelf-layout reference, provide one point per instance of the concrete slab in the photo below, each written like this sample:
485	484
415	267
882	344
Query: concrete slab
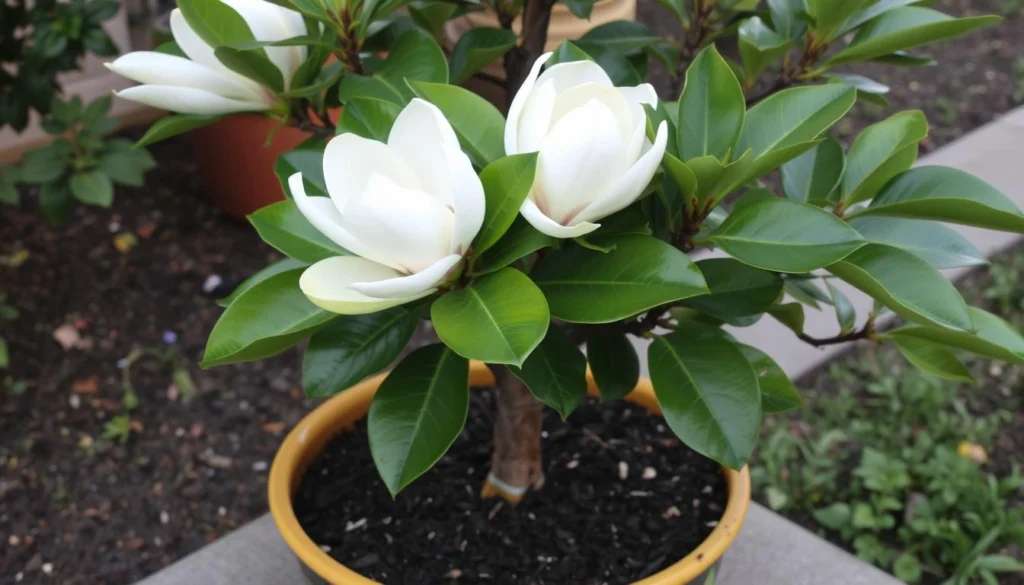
770	550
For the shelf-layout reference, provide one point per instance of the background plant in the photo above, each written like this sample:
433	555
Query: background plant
81	164
859	215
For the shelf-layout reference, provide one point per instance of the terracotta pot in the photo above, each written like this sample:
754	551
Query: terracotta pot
309	437
236	164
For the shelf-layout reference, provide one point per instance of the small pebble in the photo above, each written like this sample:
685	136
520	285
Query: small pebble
74	401
222	511
170	337
47	568
671	512
711	524
350	526
114	227
453	574
18	577
122	363
707	490
13	540
995	369
211	283
573	464
431	535
649	473
165	517
259	466
623	470
326	548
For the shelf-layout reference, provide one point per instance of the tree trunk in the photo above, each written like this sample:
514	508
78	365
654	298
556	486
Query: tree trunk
516	461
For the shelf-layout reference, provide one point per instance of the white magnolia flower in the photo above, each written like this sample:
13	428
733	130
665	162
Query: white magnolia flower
594	156
408	211
201	84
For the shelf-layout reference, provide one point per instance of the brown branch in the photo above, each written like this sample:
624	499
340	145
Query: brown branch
789	76
519	59
692	40
492	79
865	332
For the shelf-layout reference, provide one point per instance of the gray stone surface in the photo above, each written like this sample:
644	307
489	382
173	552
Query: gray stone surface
770	550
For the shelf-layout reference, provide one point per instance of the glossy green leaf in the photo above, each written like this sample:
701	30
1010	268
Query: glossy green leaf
417	414
173	125
92	187
478	48
815	174
760	46
806	291
716	180
881	152
265	320
556	372
738	291
786	17
621	36
126	165
778	394
42	165
369	118
639	273
783	235
355	346
507	181
284	227
478	124
215	22
499	318
708	394
567	52
873	11
794	116
682	175
252	64
905	28
830	15
946	194
354	86
520	240
309	162
580	8
990	336
414	57
909	286
933	242
615	365
278	267
933	358
789	314
711	107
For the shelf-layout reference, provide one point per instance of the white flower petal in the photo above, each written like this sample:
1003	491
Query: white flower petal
579	161
632	184
187	100
639	96
569	75
404	227
415	285
349	160
269	22
518	102
421	135
469	202
325	217
328	285
535	120
547	226
193	45
163	69
581	95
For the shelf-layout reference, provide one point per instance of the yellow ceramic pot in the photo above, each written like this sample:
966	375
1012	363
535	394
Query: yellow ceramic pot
310	436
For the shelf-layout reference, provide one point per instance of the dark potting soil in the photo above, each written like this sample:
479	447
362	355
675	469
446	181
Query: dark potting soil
623	499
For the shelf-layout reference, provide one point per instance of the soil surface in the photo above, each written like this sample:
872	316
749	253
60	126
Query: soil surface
78	509
623	499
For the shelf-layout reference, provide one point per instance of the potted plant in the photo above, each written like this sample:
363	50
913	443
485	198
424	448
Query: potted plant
570	221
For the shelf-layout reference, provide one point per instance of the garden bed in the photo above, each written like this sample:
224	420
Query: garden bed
84	509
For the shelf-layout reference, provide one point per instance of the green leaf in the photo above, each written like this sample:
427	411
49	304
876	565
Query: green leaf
620	36
933	242
933	358
846	314
275	268
990	336
417	414
567	52
805	291
639	273
946	194
92	187
305	85
507	182
793	117
360	86
783	235
215	22
478	124
708	394
284	227
786	17
711	107
760	46
999	564
615	365
55	201
9	194
556	372
520	239
871	12
172	126
815	174
252	64
499	318
881	152
778	394
265	320
369	118
905	28
738	291
127	167
789	314
353	347
904	59
909	286
414	57
309	162
580	8
5	354
478	48
836	516
907	568
42	165
829	15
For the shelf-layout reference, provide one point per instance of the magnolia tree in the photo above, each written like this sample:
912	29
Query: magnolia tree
573	219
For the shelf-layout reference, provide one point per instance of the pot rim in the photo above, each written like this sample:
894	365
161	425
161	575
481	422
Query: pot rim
340	412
